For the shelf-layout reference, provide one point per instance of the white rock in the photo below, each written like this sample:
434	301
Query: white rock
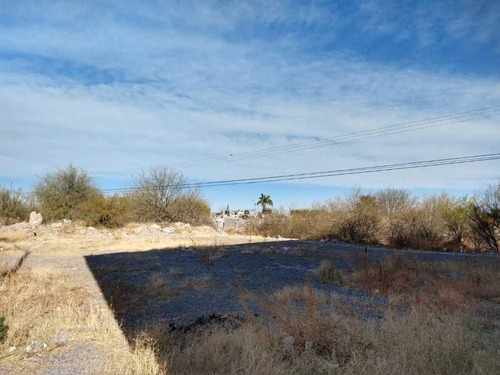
168	230
11	349
35	347
57	225
67	221
155	226
36	219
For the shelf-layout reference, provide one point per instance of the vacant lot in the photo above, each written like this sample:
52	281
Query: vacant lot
143	300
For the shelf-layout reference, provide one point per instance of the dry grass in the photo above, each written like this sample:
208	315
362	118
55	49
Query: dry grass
327	273
14	237
455	285
198	283
326	341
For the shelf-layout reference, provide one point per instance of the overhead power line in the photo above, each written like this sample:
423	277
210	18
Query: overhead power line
336	172
325	142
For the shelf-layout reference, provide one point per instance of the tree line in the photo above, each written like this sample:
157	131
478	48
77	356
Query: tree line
71	193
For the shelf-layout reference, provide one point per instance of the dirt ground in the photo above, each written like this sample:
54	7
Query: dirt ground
93	290
58	253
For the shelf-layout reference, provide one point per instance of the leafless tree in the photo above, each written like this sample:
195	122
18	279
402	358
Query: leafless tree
155	191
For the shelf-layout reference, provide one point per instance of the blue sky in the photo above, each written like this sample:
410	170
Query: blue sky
114	85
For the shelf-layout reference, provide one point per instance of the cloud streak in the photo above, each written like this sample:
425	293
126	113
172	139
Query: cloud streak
129	85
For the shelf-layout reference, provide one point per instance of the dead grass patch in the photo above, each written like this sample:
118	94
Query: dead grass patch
14	237
198	283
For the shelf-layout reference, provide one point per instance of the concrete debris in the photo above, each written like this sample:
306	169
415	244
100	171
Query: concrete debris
36	219
35	347
60	339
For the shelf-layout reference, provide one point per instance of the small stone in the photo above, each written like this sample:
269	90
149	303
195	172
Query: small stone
369	352
168	230
289	341
376	291
57	225
61	338
36	219
11	349
309	345
67	221
35	347
155	226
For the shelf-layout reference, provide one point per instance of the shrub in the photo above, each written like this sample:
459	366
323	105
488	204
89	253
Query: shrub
62	193
190	208
154	192
12	207
361	223
391	200
456	215
327	273
419	227
484	218
109	212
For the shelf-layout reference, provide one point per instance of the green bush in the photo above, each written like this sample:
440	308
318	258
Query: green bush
62	193
190	208
12	206
109	212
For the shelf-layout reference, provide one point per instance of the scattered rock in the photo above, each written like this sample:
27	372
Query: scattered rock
35	347
168	230
12	349
91	229
67	221
35	219
57	225
60	339
289	341
285	248
155	226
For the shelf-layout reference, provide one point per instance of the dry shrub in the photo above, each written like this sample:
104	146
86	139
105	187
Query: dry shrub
109	212
61	193
327	273
314	224
13	208
455	285
419	227
419	342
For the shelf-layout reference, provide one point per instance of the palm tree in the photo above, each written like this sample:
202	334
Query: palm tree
264	200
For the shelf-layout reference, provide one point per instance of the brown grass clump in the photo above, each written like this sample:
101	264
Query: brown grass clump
456	285
198	283
326	341
327	273
13	237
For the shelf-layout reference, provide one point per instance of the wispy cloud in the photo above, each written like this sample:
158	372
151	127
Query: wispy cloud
130	84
